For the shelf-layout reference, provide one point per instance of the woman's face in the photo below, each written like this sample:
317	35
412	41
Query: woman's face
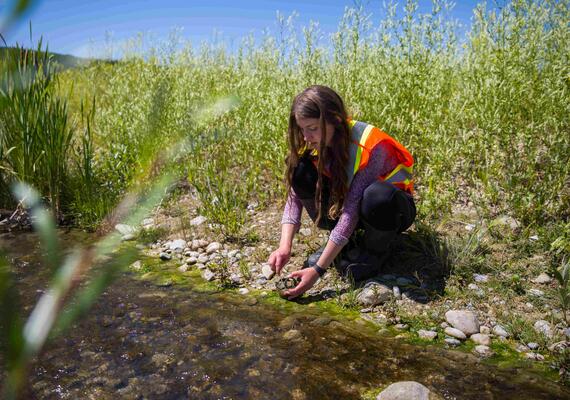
311	130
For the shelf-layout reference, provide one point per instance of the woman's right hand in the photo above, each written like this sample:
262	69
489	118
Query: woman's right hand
278	259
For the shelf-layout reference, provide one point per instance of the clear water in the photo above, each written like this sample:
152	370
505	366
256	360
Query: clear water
144	341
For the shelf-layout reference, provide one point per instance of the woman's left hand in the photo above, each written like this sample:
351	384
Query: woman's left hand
308	278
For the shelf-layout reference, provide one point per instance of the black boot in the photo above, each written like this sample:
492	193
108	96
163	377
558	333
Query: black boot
313	258
368	255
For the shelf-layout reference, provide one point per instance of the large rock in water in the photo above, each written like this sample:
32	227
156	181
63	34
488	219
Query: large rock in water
374	293
407	390
464	320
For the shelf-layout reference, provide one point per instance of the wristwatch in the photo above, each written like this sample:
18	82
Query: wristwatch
320	270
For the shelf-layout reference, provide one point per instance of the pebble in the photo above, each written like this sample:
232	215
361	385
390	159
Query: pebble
373	294
191	260
203	259
128	237
201	266
544	327
456	333
464	320
136	265
405	390
480	278
213	247
165	256
428	335
452	342
208	275
243	291
292	334
396	292
267	272
235	278
125	229
481	338
472	286
147	222
483	350
534	356
401	327
305	231
183	268
542	278
199	220
402	281
533	345
177	245
536	292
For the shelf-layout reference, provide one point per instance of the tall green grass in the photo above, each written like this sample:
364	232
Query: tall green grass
485	115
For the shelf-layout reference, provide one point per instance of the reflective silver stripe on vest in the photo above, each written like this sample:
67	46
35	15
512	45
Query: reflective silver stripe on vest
356	134
400	176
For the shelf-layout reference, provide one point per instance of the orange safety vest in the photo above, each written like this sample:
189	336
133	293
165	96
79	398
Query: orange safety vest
364	138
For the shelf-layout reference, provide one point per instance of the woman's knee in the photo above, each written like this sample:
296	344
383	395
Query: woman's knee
387	208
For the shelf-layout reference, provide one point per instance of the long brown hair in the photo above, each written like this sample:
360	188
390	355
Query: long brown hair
323	103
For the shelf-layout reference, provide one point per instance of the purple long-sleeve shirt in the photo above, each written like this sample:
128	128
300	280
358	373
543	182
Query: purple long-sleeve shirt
380	163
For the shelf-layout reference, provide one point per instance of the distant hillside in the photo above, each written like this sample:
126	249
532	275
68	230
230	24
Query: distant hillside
66	61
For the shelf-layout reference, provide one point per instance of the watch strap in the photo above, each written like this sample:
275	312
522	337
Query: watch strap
321	271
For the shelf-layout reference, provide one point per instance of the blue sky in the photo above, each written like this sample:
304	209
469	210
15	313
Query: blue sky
80	27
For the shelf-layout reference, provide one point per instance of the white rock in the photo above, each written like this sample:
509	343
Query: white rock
183	268
177	245
305	231
200	266
191	260
472	286
136	265
533	238
480	278
243	291
208	275
536	292
125	229
203	259
199	220
406	390
534	356
212	247
466	321
542	278
373	294
452	341
428	335
165	256
533	345
544	327
401	327
292	334
483	350
235	278
481	338
456	333
267	272
396	292
232	253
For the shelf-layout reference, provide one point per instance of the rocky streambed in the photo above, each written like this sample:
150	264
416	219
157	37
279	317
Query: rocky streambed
161	332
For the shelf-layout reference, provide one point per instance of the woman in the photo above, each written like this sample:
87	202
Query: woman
344	173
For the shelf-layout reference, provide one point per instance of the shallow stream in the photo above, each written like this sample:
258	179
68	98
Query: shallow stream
146	341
